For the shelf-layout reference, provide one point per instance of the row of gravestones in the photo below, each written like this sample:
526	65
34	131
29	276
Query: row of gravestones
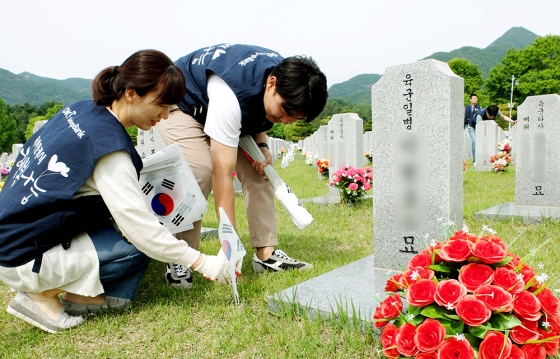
418	177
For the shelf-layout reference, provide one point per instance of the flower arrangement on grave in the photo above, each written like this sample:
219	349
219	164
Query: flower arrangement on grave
282	150
4	172
464	165
502	159
233	176
469	297
323	167
309	158
352	182
369	155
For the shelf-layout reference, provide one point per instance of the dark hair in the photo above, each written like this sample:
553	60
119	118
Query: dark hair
473	94
492	110
302	85
143	72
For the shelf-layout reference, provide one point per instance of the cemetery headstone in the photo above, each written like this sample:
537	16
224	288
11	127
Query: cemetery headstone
37	125
486	144
417	161
538	156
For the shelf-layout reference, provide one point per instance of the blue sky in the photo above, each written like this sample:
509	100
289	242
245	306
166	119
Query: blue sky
75	38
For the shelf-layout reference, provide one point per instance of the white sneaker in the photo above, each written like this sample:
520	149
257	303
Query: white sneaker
178	276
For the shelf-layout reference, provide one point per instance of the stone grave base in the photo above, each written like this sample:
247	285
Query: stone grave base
348	290
531	214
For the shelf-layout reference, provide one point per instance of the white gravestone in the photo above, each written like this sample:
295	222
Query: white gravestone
486	144
37	125
417	161
538	151
345	136
467	145
149	142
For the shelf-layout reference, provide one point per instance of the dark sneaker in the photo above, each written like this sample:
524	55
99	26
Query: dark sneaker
278	262
178	276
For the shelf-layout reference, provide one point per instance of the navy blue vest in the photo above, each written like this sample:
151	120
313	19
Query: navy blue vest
37	211
244	68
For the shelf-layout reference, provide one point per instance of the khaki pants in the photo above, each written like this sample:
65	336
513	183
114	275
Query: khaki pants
258	193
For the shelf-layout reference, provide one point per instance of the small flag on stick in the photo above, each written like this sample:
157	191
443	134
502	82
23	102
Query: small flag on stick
232	249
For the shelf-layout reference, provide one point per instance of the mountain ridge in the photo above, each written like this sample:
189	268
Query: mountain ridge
27	87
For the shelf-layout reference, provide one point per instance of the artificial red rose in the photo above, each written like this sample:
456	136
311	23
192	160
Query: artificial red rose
429	335
516	353
488	252
534	351
388	309
514	261
421	293
422	259
393	283
528	273
551	346
414	274
554	322
495	345
497	240
550	304
455	251
463	235
527	305
496	298
508	279
389	341
527	330
474	275
454	348
472	311
432	355
448	292
405	340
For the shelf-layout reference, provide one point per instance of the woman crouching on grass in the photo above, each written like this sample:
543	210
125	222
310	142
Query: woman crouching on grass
72	216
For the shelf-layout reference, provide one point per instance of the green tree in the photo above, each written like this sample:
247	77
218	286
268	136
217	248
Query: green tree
8	129
537	67
50	112
21	114
298	130
277	131
469	72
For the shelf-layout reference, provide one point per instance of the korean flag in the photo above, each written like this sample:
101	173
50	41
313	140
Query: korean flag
171	191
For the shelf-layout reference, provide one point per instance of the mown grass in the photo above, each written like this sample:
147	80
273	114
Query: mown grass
205	323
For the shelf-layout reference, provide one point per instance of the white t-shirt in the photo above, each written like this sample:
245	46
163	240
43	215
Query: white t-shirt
223	120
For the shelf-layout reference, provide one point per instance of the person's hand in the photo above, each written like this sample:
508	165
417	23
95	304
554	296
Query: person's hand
214	268
238	264
259	166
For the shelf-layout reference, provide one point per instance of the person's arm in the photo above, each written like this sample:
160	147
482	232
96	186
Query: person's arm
116	181
224	159
507	119
223	126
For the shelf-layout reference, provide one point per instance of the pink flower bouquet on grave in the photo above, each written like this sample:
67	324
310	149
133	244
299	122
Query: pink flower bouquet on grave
352	182
469	297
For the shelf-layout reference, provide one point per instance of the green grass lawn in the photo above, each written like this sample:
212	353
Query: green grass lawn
205	323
